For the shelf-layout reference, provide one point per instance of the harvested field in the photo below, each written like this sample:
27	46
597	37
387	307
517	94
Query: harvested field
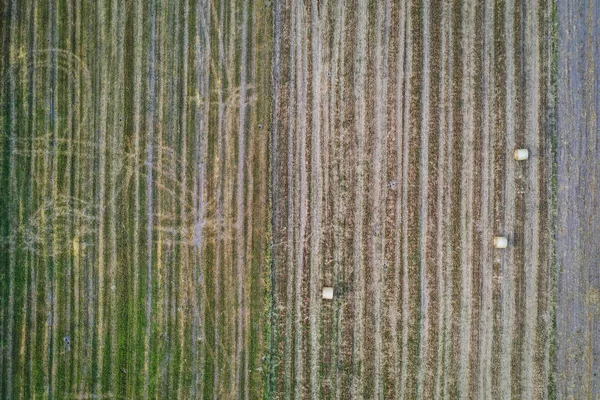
395	126
180	179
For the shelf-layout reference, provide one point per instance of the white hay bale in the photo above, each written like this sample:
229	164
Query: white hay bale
328	293
500	242
521	154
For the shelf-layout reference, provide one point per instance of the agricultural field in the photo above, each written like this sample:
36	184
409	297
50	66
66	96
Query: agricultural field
394	170
180	179
134	199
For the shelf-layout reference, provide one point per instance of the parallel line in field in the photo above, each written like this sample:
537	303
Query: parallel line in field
398	222
117	37
101	132
159	280
259	159
8	356
379	173
467	203
336	118
89	258
449	377
487	321
442	200
31	202
303	184
508	295
240	197
174	264
69	225
423	189
200	157
325	329
26	383
137	95
184	273
360	68
550	154
532	198
149	165
404	182
316	199
220	197
53	296
229	280
84	258
291	213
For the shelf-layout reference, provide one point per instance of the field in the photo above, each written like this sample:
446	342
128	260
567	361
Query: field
393	172
179	180
134	209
